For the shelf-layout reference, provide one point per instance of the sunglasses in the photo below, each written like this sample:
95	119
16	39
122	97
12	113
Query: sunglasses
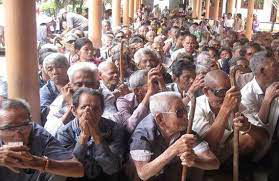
219	92
15	127
180	113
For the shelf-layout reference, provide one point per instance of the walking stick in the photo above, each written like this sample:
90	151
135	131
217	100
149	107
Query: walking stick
121	63
233	71
189	130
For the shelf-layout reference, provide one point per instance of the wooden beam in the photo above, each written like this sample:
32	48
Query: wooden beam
116	7
249	25
216	10
21	53
126	12
95	22
131	10
207	9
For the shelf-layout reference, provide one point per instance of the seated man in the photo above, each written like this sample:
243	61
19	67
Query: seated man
56	66
213	118
133	107
261	97
97	142
110	86
27	150
160	138
83	74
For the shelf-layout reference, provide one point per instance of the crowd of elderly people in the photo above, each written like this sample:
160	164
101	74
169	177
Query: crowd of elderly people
121	112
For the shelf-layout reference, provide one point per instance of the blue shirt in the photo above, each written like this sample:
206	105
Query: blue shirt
41	143
99	160
48	94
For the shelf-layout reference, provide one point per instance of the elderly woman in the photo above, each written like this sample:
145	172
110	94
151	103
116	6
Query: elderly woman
97	142
56	66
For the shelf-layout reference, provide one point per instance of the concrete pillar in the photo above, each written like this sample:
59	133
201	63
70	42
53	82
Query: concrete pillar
131	10
199	8
95	22
116	7
194	9
207	9
216	10
249	25
230	6
126	12
21	53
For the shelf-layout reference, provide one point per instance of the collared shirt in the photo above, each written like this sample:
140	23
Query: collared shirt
105	158
41	143
252	98
48	93
110	100
130	113
147	143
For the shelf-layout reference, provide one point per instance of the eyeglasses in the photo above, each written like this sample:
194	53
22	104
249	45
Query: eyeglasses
16	127
219	92
180	113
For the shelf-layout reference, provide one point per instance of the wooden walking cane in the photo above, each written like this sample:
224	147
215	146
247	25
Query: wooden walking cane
121	64
189	130
233	71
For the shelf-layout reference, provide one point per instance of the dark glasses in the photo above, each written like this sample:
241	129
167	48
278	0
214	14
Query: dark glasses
219	92
13	127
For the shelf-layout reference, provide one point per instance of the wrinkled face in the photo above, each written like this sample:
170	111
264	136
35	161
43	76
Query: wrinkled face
143	30
140	92
89	106
110	75
216	93
84	79
150	36
179	41
106	27
225	55
57	73
185	80
249	53
158	48
175	120
189	44
15	123
271	71
147	62
86	52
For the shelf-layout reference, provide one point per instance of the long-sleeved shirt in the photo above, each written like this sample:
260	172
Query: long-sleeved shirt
41	143
130	113
99	160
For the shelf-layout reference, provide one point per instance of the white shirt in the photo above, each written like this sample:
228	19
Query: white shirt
252	98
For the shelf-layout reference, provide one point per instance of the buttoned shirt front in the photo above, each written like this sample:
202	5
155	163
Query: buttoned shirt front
252	98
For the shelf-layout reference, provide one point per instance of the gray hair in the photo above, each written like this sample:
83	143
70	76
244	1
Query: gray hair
138	79
103	65
82	66
203	62
15	104
160	102
259	59
144	51
57	59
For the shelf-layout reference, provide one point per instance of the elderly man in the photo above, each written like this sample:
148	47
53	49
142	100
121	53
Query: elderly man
160	138
97	142
147	59
189	46
83	74
260	96
213	119
110	86
133	107
27	150
56	66
73	20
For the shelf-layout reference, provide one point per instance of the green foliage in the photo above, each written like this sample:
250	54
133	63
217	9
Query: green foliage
49	7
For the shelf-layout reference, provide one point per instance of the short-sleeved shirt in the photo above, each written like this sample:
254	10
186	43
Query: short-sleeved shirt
76	21
147	143
41	143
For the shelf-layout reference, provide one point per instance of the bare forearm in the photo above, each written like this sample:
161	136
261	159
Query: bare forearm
217	129
264	110
152	168
207	163
69	168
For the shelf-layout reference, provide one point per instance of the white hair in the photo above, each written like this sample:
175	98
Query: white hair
160	102
138	79
103	65
144	51
57	59
82	66
203	63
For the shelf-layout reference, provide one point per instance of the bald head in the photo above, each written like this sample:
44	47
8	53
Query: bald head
105	66
216	78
